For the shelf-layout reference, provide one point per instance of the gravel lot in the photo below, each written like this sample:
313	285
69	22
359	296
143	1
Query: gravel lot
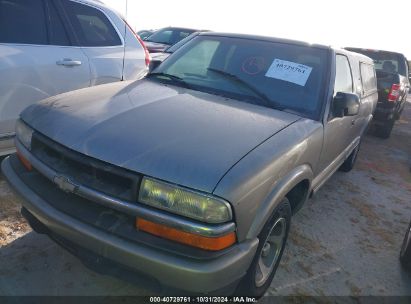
344	242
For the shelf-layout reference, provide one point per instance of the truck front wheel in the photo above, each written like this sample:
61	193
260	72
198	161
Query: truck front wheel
350	161
272	240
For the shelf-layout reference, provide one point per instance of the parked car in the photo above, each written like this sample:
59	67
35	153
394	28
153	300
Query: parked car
166	37
157	58
393	87
191	175
145	33
54	46
405	254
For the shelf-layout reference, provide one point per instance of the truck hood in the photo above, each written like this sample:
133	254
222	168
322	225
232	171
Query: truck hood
182	136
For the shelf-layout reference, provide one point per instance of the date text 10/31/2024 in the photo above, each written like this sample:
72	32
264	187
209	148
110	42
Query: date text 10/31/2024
203	299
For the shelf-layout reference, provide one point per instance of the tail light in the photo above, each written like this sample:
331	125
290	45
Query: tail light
146	53
394	93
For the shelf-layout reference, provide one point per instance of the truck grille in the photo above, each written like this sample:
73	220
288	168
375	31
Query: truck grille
87	171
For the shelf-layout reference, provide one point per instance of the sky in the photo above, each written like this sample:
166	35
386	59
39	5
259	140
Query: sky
377	24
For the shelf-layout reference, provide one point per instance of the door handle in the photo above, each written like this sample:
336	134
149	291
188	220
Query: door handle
68	62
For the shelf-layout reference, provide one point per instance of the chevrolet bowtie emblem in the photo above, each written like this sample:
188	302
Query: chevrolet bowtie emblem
64	183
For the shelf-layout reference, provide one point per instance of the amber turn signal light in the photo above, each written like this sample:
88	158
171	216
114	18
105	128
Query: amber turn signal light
24	161
190	239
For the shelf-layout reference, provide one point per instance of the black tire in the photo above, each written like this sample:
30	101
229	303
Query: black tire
398	114
384	131
350	161
405	254
248	285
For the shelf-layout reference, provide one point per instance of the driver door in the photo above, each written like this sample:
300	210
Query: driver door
338	131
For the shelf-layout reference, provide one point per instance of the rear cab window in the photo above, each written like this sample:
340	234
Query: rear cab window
23	21
368	78
91	26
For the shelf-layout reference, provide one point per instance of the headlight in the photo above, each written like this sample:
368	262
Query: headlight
175	199
24	133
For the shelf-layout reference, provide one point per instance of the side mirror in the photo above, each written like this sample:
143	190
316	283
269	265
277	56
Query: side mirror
345	104
153	65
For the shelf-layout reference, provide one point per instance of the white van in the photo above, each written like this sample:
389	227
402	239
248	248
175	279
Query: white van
49	47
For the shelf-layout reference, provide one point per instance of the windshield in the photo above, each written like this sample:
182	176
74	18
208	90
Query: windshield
387	62
169	36
179	44
144	34
270	74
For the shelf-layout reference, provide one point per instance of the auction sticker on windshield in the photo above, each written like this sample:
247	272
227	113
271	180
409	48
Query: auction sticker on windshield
289	71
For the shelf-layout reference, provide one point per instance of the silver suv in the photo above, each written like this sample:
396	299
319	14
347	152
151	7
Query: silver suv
48	47
192	174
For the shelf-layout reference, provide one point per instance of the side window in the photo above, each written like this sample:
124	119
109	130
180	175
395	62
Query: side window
368	78
23	21
343	77
91	26
58	33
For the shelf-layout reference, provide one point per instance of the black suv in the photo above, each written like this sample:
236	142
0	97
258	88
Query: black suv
393	86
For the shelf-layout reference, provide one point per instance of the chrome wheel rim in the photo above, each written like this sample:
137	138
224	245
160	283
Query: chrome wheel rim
270	252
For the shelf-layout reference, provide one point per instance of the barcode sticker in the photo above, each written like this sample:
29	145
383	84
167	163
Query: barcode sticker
289	71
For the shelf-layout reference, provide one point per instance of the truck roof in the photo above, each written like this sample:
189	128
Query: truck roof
288	41
359	56
264	38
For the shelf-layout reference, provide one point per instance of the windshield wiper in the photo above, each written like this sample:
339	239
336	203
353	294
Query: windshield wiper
172	77
267	101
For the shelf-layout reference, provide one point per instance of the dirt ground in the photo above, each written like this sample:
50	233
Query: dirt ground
344	242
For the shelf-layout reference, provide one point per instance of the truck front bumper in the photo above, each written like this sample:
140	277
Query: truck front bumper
179	272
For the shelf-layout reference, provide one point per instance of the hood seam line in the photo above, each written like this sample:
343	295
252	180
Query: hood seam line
261	143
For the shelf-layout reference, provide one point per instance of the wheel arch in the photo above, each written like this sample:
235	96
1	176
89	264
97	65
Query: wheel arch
295	186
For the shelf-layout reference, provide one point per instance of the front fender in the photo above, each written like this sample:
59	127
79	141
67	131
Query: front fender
280	190
261	178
